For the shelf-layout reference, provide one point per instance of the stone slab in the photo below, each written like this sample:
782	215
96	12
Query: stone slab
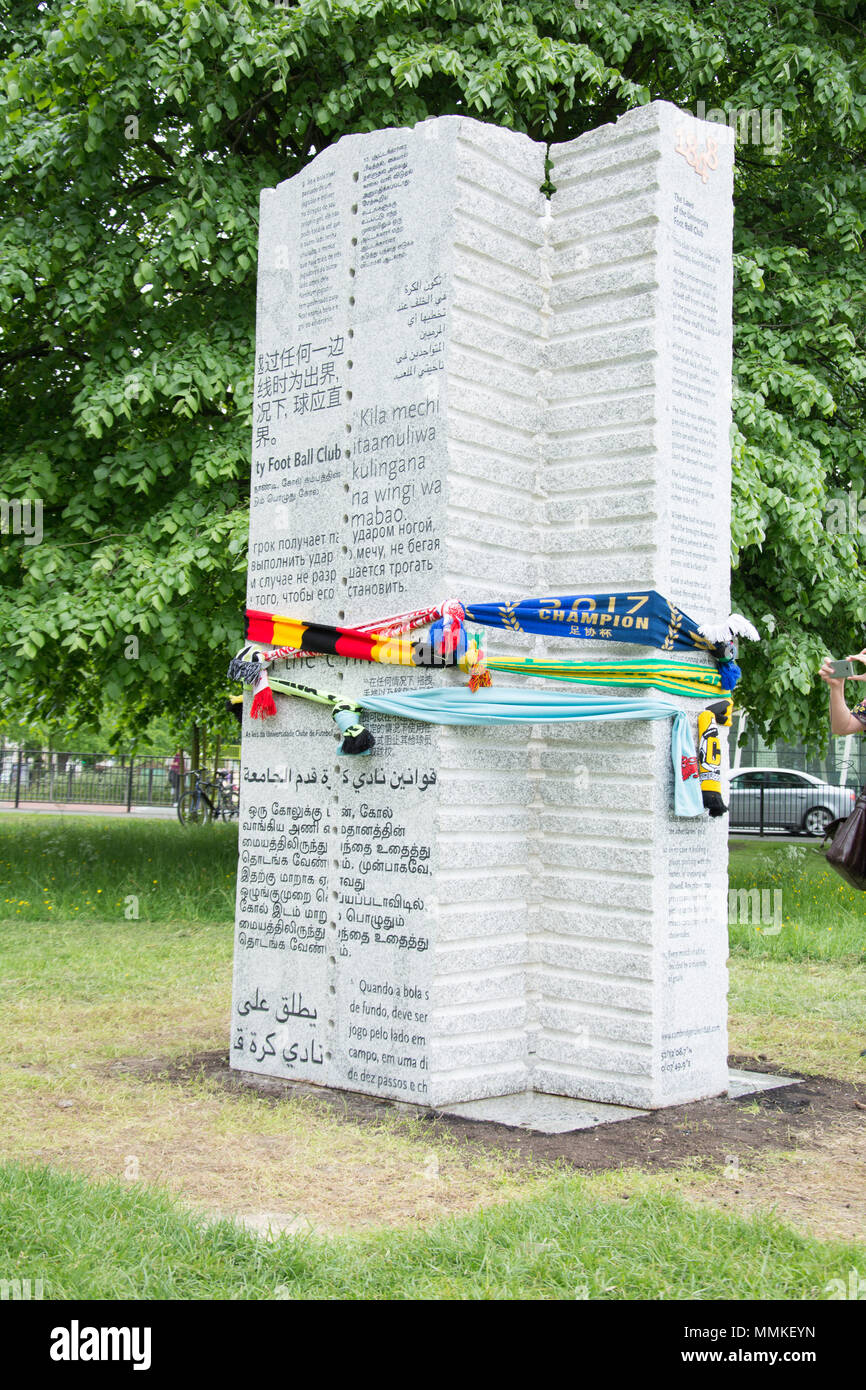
745	1083
547	1114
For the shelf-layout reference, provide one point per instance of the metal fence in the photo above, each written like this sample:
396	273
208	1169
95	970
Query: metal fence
763	800
123	782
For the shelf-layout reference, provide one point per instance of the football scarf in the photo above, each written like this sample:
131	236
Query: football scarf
384	627
645	618
456	707
710	721
677	677
354	643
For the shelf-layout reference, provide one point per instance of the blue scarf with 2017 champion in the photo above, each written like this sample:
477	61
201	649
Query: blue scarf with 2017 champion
644	618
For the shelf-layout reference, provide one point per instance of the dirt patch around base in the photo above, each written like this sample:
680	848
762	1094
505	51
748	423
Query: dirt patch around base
707	1133
797	1151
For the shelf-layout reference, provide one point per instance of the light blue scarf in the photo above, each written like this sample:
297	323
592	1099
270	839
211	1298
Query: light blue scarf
504	706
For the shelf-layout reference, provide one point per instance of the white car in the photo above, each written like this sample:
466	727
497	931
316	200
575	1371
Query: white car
778	798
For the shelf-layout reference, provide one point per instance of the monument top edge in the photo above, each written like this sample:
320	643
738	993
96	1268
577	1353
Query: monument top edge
652	116
432	126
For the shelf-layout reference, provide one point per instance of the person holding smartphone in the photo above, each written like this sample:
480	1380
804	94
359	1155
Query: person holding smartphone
842	719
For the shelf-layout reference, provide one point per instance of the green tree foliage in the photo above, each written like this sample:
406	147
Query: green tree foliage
134	139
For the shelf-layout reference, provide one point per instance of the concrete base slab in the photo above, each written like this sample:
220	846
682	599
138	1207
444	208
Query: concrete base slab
743	1083
542	1113
546	1114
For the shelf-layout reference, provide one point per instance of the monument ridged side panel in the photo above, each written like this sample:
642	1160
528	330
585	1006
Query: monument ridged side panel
631	946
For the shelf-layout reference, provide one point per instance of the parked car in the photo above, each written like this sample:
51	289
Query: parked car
782	799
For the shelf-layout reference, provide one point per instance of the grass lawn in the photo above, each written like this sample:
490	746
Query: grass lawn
385	1210
89	867
808	1016
822	917
89	1240
798	994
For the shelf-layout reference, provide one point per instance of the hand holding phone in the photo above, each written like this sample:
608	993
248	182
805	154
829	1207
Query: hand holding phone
841	670
845	670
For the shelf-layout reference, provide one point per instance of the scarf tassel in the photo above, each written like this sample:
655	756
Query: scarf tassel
263	705
356	741
247	672
729	674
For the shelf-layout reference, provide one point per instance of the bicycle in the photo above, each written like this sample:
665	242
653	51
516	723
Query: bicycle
207	801
230	797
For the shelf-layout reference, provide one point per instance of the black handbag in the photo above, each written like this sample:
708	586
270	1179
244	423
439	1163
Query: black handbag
847	853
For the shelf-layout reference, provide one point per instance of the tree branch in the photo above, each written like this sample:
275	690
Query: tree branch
145	183
7	358
157	149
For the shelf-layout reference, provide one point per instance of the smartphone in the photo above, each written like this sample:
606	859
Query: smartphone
842	670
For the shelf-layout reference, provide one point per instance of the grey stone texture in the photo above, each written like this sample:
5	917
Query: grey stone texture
464	389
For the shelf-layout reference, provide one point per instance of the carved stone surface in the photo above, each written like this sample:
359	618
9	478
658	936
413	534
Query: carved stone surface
466	389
